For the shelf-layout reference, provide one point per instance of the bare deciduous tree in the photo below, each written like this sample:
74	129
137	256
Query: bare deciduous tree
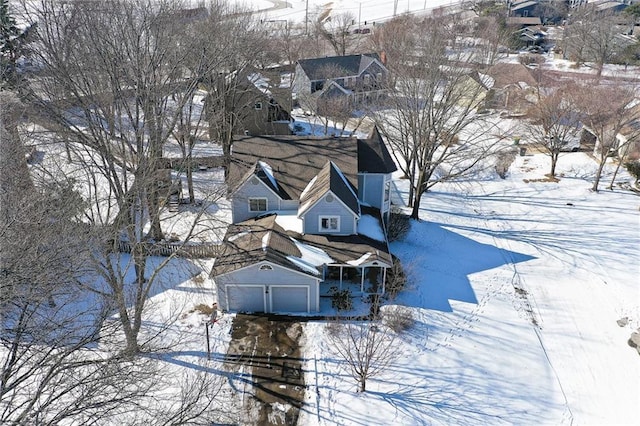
554	122
366	348
432	122
591	35
52	369
606	110
337	30
117	96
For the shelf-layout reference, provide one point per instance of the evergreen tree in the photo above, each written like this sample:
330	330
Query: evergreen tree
12	43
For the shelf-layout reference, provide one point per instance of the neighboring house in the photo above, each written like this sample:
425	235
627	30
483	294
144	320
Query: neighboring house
524	8
308	214
253	103
514	88
356	78
523	22
627	140
473	90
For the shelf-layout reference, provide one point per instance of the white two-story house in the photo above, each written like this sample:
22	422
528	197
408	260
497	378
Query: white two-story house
308	213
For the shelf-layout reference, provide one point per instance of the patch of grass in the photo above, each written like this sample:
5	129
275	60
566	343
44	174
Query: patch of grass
547	179
203	309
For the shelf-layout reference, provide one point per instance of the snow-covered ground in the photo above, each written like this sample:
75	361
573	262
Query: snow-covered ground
516	289
370	11
516	286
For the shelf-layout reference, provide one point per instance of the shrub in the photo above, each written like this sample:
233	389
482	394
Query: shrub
399	224
341	299
396	278
398	318
503	162
633	167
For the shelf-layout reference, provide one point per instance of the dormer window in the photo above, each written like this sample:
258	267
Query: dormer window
329	223
257	204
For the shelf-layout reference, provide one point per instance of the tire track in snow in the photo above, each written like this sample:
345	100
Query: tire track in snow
519	285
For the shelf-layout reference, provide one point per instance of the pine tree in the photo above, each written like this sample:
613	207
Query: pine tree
12	43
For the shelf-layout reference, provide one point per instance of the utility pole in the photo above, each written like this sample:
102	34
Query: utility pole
306	19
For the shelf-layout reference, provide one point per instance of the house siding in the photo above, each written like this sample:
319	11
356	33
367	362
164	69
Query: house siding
249	190
301	83
289	205
279	276
324	208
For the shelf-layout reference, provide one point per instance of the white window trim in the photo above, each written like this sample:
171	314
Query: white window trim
258	105
266	204
266	267
329	217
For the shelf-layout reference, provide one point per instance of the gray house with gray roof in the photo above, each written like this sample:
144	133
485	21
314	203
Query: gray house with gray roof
308	213
355	78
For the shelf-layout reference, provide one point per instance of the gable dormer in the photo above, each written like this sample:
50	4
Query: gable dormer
257	193
329	204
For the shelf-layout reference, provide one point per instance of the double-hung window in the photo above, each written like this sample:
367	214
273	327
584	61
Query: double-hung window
329	223
257	204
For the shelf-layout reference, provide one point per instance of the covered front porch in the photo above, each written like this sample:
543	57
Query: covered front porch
364	279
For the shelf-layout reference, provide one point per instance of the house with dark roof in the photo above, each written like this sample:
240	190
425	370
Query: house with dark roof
308	214
514	88
355	78
255	102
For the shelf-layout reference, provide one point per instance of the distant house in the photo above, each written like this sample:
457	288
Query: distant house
308	214
514	88
252	101
473	90
354	77
524	8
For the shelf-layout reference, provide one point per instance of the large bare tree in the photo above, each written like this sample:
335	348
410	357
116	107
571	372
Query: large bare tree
592	35
432	122
117	78
554	122
366	348
606	111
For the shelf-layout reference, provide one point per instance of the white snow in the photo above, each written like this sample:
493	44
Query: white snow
312	255
289	221
359	261
515	286
269	172
369	226
265	240
303	265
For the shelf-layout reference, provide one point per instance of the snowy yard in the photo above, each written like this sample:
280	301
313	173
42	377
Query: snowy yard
515	288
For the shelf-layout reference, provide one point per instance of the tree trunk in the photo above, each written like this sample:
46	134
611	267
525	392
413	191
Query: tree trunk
594	188
554	162
615	174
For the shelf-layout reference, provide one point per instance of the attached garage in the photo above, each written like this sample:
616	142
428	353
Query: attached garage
289	298
246	298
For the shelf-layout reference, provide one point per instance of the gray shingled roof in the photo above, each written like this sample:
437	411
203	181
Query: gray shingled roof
373	155
331	179
262	239
294	160
255	240
337	66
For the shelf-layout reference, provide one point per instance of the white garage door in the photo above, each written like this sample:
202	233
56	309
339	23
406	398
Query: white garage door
246	299
289	299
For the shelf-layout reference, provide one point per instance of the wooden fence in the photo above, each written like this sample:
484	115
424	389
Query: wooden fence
192	250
